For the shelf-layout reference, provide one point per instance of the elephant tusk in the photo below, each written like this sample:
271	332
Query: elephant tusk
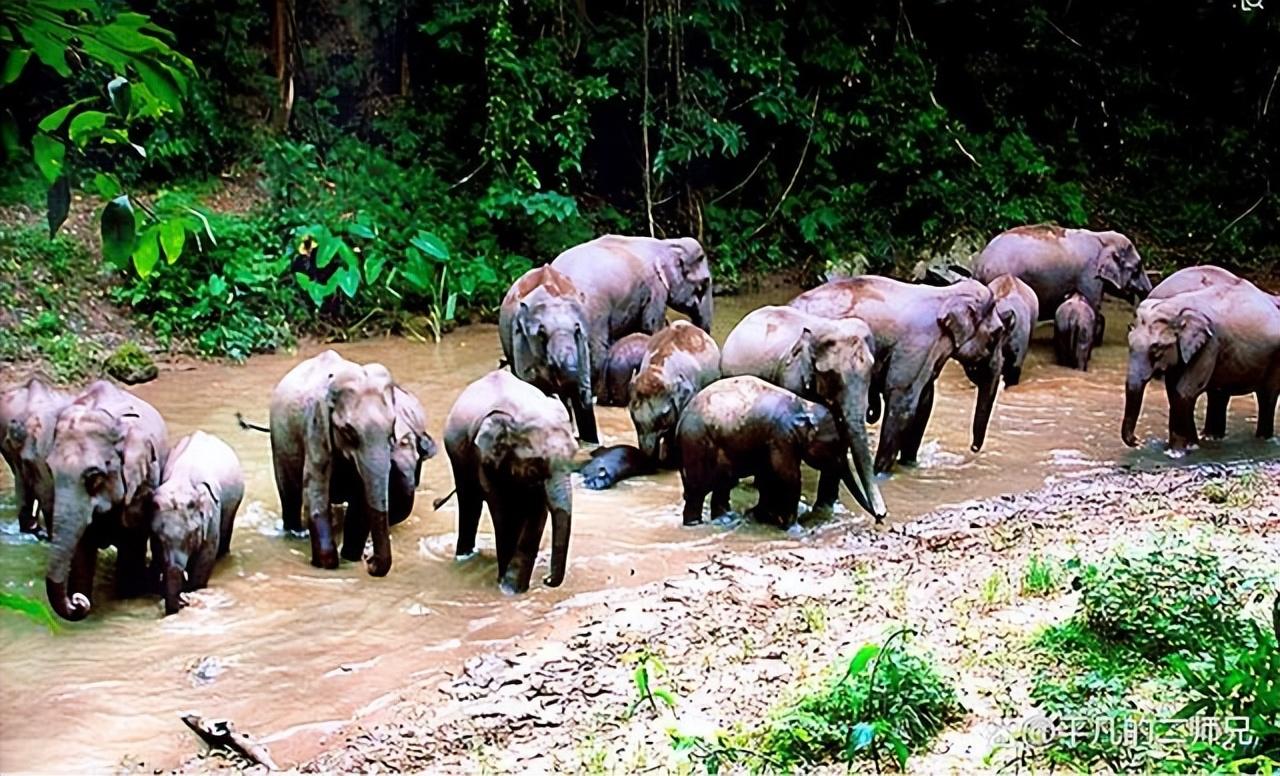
435	505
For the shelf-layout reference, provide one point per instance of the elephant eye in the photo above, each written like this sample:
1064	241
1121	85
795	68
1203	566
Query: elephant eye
94	477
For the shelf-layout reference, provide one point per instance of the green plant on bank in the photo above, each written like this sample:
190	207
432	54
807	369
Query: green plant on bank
1160	635
888	702
34	610
648	668
1041	578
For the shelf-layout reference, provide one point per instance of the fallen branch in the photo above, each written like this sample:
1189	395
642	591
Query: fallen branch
222	734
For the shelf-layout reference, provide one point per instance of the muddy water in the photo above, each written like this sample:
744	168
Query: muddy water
290	652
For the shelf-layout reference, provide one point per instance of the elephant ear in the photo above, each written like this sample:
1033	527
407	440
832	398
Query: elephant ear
1008	319
492	436
1108	264
802	348
956	317
805	423
140	465
1194	332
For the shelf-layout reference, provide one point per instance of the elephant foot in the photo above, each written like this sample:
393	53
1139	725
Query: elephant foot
352	553
465	556
728	519
325	560
551	581
378	567
692	521
507	588
795	530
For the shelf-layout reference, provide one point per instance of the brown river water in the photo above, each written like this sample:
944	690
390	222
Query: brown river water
291	653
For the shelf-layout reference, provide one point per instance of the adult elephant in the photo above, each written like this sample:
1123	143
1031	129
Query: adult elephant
826	360
1058	262
629	282
543	327
28	413
332	437
1196	279
512	447
109	450
916	329
1223	340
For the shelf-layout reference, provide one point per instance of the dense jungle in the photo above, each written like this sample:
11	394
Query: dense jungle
201	198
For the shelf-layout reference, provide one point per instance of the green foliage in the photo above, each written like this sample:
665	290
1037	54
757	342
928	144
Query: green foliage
30	608
888	701
649	668
130	364
1163	599
1042	577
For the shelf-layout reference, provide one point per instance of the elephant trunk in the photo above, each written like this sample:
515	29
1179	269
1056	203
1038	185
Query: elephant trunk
854	409
174	578
702	314
71	521
987	389
560	494
374	467
1135	387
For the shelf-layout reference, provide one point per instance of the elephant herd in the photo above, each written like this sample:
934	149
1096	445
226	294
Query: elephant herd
792	385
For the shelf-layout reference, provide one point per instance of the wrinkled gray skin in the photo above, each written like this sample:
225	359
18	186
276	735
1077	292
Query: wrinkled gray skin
916	329
743	427
610	465
543	327
1075	326
512	447
332	439
680	361
620	366
194	511
1195	279
413	447
28	413
1223	340
1058	262
1016	301
109	449
820	359
629	282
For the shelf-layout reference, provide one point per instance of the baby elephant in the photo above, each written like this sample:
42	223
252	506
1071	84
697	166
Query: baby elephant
620	365
194	510
680	361
1075	332
743	426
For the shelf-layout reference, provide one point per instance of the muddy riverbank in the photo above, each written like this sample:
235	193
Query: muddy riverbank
738	632
296	655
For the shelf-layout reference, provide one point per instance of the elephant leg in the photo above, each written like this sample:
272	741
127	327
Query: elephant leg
828	490
1267	412
505	534
720	497
695	494
1182	419
527	535
584	414
1215	418
27	522
1099	327
470	501
914	433
355	530
201	567
290	496
324	553
131	565
900	411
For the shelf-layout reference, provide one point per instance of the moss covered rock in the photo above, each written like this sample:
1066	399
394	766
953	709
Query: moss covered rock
131	364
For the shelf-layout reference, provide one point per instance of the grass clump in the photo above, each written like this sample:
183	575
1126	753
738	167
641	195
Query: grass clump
885	703
131	364
1042	577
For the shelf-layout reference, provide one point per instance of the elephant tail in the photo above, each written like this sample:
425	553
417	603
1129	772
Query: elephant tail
247	426
441	501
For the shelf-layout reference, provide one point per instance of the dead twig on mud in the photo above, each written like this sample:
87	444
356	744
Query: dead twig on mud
222	734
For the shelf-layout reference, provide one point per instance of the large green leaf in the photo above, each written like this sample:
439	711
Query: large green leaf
147	252
107	185
431	245
50	155
119	229
173	235
349	281
59	202
121	94
34	610
13	65
162	83
54	120
83	125
50	44
329	246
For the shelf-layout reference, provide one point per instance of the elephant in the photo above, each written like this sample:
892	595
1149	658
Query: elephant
193	513
109	450
1195	279
610	465
630	281
28	413
826	360
743	426
413	446
543	327
1015	298
332	440
916	329
620	365
680	361
1223	340
511	446
1075	328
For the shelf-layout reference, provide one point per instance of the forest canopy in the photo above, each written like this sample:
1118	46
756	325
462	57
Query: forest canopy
398	163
